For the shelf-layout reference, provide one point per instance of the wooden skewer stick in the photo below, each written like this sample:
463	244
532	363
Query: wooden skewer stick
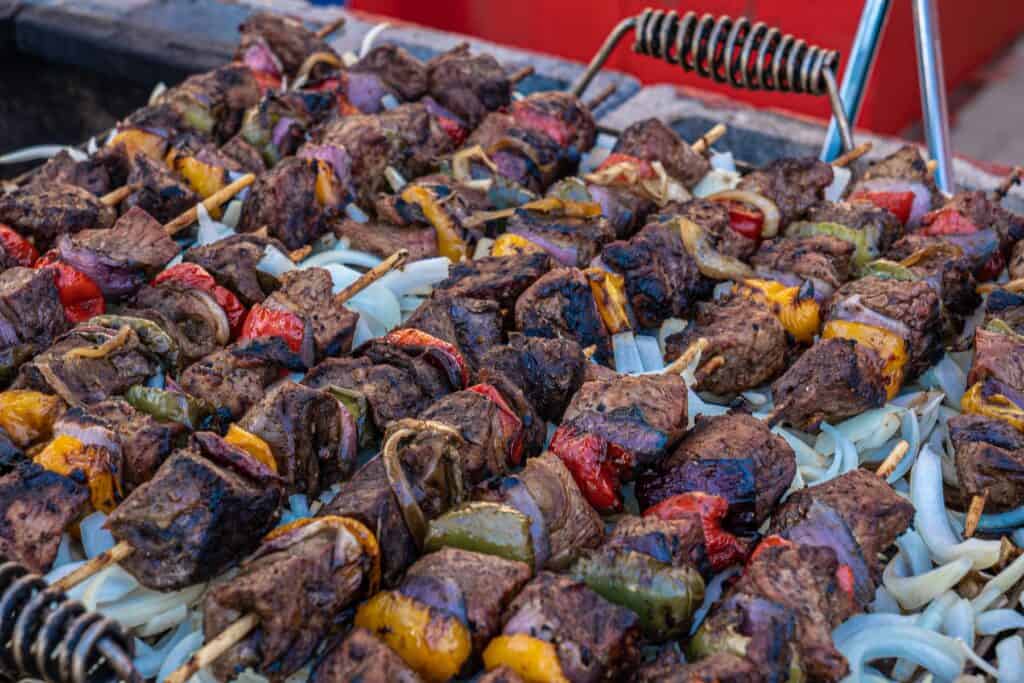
888	465
772	418
705	141
516	76
115	197
95	566
931	166
854	154
210	203
590	351
213	650
396	260
602	97
708	368
328	29
1015	286
300	253
974	513
679	364
1008	182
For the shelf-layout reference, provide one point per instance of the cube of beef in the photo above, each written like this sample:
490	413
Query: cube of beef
468	85
1002	304
31	316
42	214
793	184
213	102
570	241
233	262
721	667
308	294
362	657
162	193
383	239
714	218
523	155
560	305
285	37
283	200
989	460
470	325
559	115
496	278
91	174
947	268
833	380
193	318
651	140
999	357
822	259
397	69
677	542
881	225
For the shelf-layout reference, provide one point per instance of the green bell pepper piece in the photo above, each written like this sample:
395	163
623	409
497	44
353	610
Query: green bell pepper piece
864	240
170	405
484	527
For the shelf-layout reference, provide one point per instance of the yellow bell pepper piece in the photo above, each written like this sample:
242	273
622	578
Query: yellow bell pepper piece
66	454
533	659
435	645
511	245
609	290
353	526
996	406
251	444
566	207
449	243
136	140
889	346
205	179
800	317
328	190
28	416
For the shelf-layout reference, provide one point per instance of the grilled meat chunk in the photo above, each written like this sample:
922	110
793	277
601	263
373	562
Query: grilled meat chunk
947	269
383	239
471	325
31	316
721	667
906	163
44	213
468	85
677	542
861	216
1017	261
523	155
305	431
749	338
121	259
562	523
204	508
213	102
362	657
793	184
560	305
285	37
549	371
283	199
190	316
662	280
570	241
91	174
1007	306
651	140
397	69
983	212
989	459
233	261
822	259
36	507
734	456
833	380
162	193
308	294
624	208
912	307
559	115
643	415
496	278
594	640
999	357
714	218
237	377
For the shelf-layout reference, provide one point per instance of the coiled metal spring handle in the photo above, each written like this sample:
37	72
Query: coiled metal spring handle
44	634
742	53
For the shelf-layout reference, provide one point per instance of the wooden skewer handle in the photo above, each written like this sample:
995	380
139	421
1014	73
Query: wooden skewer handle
95	566
894	458
212	651
396	260
709	138
328	29
115	197
517	76
210	203
856	153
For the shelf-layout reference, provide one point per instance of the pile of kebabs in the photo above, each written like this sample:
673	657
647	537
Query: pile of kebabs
515	483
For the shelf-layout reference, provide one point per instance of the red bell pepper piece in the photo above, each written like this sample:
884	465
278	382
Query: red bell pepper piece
723	548
745	221
268	322
17	247
844	576
412	340
644	170
79	295
194	275
266	81
947	221
899	204
596	470
511	425
992	268
455	131
333	84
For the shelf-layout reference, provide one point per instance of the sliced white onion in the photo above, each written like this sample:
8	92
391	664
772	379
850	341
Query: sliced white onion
37	152
416	276
884	603
650	353
63	552
91	147
179	655
353	211
395	179
110	585
1010	656
343	256
959	622
941	655
669	327
367	44
209	230
142	604
626	353
362	334
999	584
996	621
274	262
483	248
861	428
861	623
840	180
95	539
844	458
947	376
723	161
148	659
932	523
914	552
410	303
805	455
715	181
164	621
389	101
910	431
158	90
712	593
913	592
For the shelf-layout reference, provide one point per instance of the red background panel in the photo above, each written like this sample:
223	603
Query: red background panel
972	33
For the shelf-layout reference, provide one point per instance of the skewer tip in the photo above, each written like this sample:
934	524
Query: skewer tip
974	513
857	152
705	141
517	76
327	29
894	458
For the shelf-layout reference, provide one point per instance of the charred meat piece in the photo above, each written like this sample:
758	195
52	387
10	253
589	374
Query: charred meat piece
213	102
662	280
205	507
162	193
874	512
202	148
468	85
236	378
362	657
244	154
549	371
651	140
906	163
89	364
1002	304
562	523
31	316
721	667
861	216
278	126
793	184
308	294
305	431
912	308
298	583
624	208
525	156
983	212
560	305
497	278
643	415
714	218
734	456
233	261
471	325
36	508
383	239
989	459
284	200
833	380
570	241
397	69
948	270
285	37
190	316
676	542
119	260
91	174
561	116
999	357
1017	261
822	259
594	640
749	338
44	213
